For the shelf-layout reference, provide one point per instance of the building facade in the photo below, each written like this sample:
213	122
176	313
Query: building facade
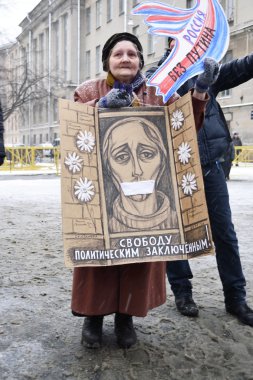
61	44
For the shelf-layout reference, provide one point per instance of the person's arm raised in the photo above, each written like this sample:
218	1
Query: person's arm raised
206	79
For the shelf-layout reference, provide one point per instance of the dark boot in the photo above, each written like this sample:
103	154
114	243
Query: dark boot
242	311
92	331
186	306
124	330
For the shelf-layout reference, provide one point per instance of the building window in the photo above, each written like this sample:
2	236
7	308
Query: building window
23	54
121	6
40	113
34	139
109	10
47	44
41	53
87	64
228	57
35	56
87	21
150	44
55	46
98	13
65	45
228	6
98	58
55	110
46	111
35	114
41	139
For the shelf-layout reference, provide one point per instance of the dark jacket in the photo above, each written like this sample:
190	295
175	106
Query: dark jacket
214	138
2	150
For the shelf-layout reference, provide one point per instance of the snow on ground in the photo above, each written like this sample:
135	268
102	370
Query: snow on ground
40	339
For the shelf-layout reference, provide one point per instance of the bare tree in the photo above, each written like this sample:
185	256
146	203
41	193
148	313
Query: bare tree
19	85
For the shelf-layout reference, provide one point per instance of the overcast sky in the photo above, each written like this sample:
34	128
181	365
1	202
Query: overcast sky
12	12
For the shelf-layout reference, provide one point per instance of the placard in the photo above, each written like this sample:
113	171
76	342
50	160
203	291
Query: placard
132	187
199	32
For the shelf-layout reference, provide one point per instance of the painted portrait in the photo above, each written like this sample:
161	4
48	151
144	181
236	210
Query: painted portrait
132	188
137	185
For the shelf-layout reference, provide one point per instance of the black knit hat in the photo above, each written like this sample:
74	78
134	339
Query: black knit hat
114	39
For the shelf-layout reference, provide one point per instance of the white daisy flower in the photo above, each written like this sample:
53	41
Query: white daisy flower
85	141
73	162
184	153
84	190
189	183
177	120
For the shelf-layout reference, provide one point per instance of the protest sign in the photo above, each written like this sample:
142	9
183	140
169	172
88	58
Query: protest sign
199	32
132	187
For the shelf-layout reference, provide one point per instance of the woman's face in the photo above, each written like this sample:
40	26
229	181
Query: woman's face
124	61
132	155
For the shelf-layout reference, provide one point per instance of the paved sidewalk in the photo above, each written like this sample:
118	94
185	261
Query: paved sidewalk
242	172
39	337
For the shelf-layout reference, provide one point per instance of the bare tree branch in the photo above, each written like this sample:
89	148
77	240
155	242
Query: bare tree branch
19	85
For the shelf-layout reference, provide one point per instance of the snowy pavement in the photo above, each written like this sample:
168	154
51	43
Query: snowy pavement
39	337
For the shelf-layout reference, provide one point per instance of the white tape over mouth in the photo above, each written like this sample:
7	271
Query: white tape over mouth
138	187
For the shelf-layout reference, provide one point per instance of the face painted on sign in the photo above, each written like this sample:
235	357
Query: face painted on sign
133	156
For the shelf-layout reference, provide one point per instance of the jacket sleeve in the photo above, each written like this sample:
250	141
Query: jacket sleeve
88	92
199	111
2	150
233	74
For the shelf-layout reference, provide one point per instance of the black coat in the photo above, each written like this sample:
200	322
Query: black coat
2	151
214	138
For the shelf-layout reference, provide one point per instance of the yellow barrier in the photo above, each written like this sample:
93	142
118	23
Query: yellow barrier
32	158
48	158
243	154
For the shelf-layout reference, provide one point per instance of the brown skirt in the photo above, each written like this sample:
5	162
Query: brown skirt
130	289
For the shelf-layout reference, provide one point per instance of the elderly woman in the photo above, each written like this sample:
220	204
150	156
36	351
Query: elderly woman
131	289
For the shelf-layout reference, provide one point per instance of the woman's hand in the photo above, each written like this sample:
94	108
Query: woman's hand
121	95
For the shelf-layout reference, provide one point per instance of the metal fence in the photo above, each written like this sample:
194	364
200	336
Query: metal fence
44	159
243	154
47	159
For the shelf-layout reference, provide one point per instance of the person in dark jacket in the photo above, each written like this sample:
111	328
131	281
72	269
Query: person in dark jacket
236	140
213	141
2	150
